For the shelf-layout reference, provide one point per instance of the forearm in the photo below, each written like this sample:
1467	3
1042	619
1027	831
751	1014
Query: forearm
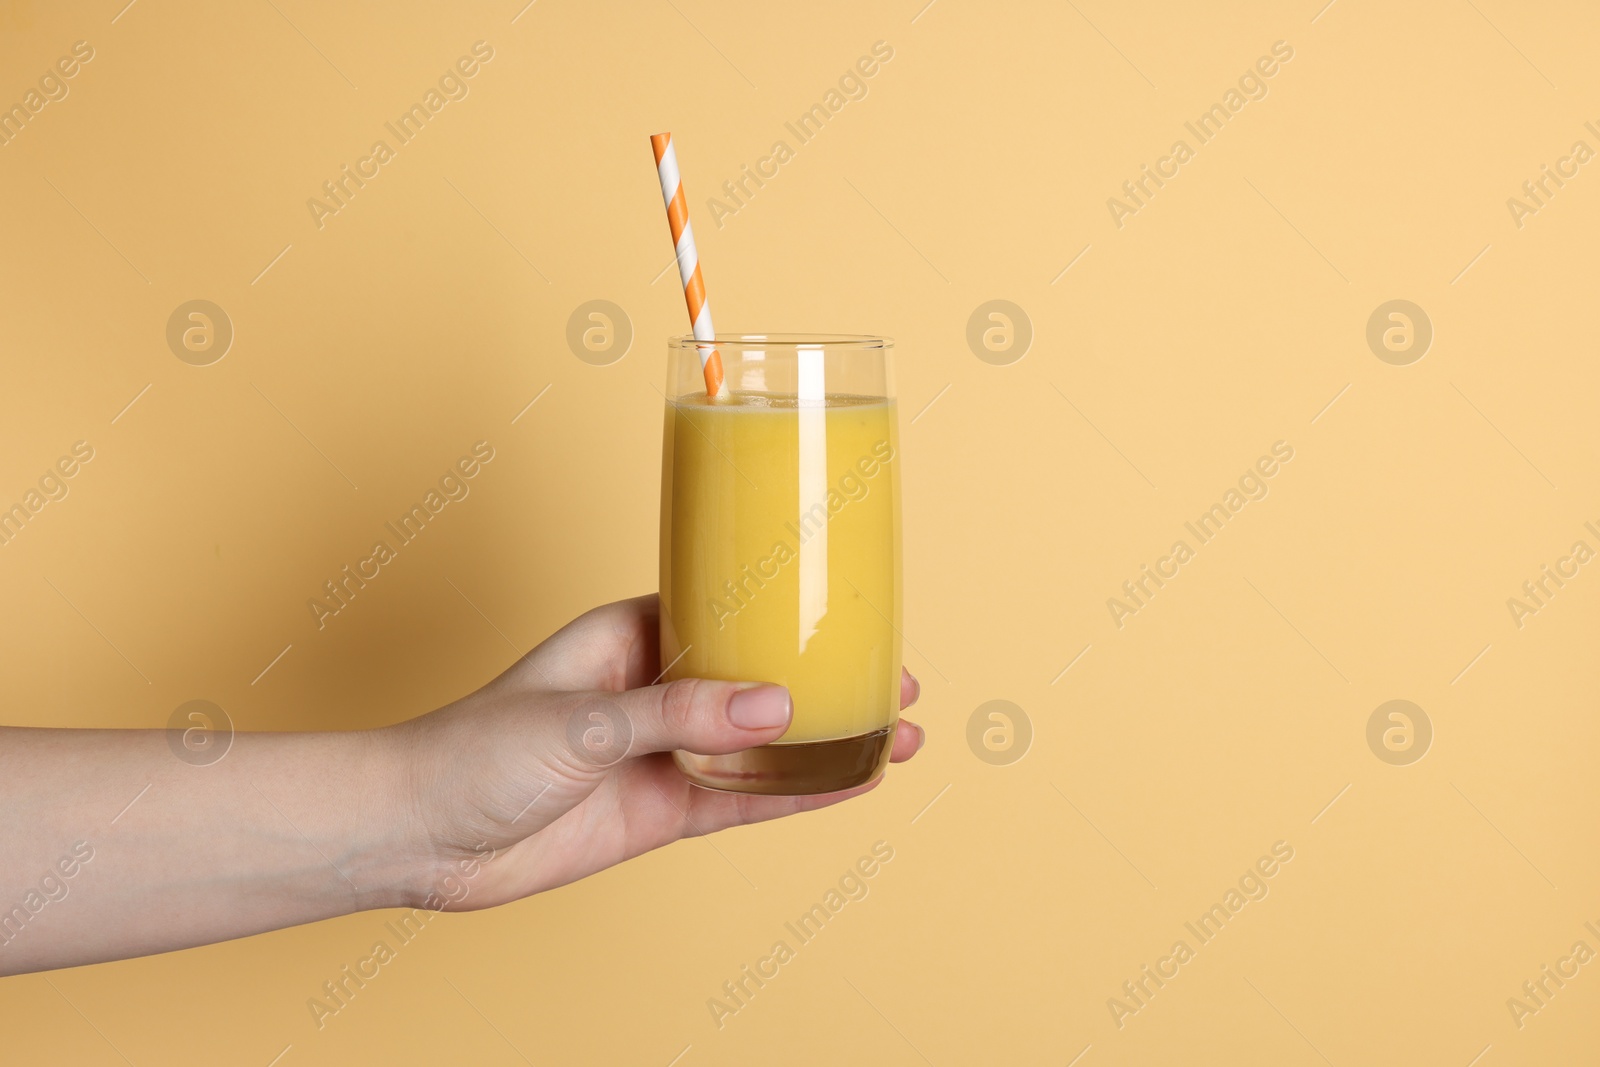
112	847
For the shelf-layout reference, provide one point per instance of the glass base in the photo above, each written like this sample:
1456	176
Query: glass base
794	769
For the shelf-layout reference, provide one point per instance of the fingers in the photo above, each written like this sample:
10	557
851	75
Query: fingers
708	717
715	717
611	648
701	715
652	783
910	689
908	736
908	741
616	647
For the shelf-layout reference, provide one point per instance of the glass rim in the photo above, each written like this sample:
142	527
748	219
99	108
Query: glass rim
787	340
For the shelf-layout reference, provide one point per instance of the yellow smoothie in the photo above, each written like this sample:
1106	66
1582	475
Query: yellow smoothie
780	553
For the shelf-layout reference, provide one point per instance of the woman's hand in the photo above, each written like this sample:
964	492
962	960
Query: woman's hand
509	797
117	844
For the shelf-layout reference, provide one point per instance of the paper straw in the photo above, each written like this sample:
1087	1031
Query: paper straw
694	286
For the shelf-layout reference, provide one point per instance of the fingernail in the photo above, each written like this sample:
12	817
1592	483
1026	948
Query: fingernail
916	686
922	737
760	708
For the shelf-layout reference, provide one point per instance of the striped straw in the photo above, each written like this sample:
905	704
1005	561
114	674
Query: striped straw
694	287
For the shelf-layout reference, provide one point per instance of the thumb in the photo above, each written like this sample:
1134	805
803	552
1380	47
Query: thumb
704	716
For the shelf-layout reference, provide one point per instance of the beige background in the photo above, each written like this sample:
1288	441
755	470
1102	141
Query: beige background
1228	314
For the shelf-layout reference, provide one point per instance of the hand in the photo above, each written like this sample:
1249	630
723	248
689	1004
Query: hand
497	775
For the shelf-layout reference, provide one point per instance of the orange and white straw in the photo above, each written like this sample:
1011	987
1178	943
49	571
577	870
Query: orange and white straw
694	286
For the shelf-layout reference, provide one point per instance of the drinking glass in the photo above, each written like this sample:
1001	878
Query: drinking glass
780	549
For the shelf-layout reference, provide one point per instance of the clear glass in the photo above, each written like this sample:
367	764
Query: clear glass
780	549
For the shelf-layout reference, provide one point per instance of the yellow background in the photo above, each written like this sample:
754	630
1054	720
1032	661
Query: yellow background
1223	317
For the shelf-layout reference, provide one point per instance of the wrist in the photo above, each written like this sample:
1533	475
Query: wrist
394	851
